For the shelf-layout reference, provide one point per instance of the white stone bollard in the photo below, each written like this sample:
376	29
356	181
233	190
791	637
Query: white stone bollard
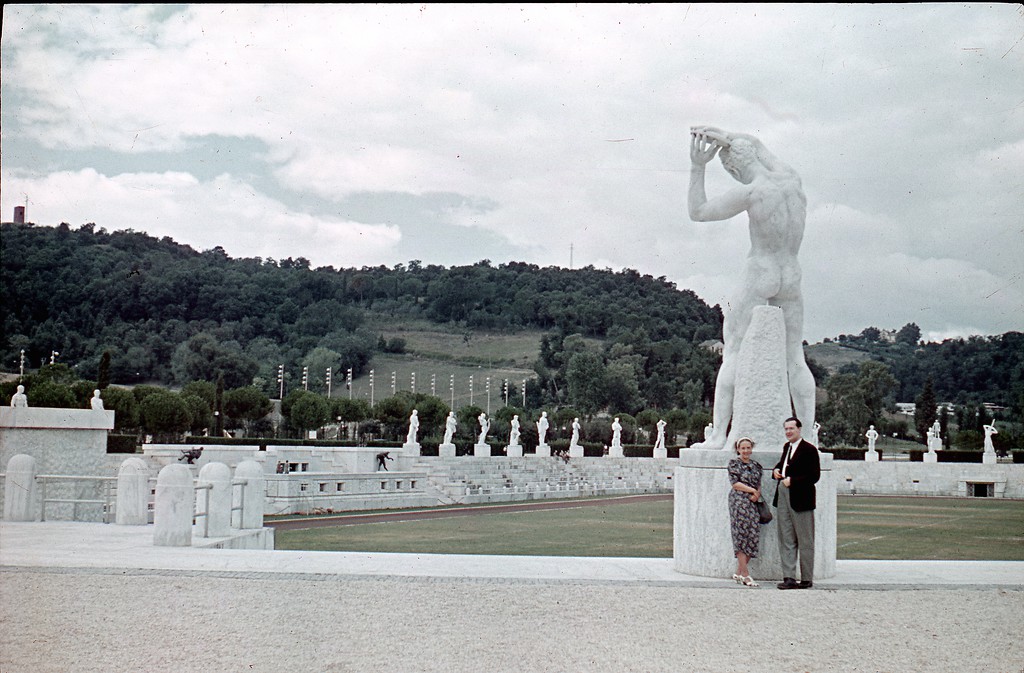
21	495
218	512
174	507
132	493
252	495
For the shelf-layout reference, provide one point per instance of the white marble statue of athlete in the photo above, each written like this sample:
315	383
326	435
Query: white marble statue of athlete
771	194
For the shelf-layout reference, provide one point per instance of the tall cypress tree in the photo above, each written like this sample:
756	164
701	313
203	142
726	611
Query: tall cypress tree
924	410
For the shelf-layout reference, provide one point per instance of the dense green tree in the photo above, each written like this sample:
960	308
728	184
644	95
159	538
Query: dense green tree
309	411
200	415
350	410
909	334
393	413
48	393
164	414
245	406
125	407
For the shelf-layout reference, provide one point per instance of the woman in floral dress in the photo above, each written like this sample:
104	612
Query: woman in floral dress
744	522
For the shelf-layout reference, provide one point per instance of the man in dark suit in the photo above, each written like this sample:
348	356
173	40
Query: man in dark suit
796	472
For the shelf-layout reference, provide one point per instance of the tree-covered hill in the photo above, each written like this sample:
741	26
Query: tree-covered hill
169	314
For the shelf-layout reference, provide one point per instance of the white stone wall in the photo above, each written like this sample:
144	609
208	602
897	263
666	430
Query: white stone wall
913	478
63	442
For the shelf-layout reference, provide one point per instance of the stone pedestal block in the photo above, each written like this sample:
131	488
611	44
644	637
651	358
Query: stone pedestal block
446	450
543	450
761	397
871	457
21	497
174	507
411	449
702	541
575	451
132	493
514	450
482	450
218	509
931	457
661	453
615	451
989	458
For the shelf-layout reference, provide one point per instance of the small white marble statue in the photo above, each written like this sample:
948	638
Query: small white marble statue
616	432
19	399
709	431
872	436
542	428
771	194
660	442
989	431
414	426
485	425
575	441
96	402
449	428
513	435
934	439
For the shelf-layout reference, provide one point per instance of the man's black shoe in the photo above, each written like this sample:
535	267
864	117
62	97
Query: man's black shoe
788	583
805	584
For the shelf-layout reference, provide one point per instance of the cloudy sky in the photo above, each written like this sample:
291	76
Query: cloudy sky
358	135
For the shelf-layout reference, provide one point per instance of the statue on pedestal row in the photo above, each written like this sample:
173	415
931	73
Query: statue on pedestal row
19	399
449	428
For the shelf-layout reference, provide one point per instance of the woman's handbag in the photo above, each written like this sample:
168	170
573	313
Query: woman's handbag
763	511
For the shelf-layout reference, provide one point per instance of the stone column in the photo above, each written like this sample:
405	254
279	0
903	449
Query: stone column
253	496
132	493
218	513
174	507
21	495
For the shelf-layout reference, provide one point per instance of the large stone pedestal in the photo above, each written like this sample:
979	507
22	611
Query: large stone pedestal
446	450
514	450
543	450
482	450
702	541
575	451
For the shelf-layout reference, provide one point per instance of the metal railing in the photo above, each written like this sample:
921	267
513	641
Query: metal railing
107	501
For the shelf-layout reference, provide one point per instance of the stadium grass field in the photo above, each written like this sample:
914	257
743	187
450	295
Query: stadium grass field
869	527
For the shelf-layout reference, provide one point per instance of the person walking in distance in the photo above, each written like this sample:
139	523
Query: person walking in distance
797	471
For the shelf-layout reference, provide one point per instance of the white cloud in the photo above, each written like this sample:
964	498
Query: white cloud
222	212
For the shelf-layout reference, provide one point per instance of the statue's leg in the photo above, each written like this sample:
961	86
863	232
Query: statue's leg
734	327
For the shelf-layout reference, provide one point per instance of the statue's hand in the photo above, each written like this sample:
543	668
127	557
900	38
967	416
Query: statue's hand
702	148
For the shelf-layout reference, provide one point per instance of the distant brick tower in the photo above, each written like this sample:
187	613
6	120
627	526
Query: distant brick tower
19	214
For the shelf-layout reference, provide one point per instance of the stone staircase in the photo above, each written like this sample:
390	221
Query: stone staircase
470	479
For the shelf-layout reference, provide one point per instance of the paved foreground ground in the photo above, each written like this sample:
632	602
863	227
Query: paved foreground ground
95	597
